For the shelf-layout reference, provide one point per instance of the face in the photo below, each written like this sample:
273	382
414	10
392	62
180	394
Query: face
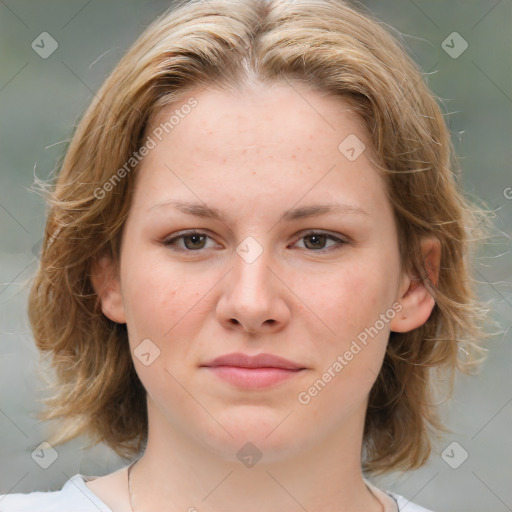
259	264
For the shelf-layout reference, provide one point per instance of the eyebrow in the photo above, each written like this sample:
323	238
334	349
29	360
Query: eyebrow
201	210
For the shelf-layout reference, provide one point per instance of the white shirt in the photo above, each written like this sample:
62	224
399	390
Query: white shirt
75	496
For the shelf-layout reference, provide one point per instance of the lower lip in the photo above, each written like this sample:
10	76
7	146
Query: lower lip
252	378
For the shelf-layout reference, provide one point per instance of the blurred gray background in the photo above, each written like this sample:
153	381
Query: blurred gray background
41	99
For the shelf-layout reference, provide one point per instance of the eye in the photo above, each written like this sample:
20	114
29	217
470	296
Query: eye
316	240
192	241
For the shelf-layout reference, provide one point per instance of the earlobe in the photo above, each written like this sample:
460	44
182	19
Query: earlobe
417	301
105	281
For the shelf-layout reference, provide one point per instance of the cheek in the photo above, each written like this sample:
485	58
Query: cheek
356	305
161	306
351	355
352	298
157	295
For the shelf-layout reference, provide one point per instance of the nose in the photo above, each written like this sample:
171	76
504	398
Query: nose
253	297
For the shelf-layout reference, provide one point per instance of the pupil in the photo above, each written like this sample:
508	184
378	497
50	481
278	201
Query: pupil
317	240
196	239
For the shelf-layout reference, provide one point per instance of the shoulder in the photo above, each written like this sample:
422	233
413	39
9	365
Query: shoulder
74	496
406	505
393	502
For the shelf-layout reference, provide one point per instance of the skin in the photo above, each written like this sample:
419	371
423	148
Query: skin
253	156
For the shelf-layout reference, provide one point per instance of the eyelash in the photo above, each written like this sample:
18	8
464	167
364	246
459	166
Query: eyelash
170	241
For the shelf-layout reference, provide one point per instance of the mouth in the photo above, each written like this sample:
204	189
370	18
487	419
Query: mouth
253	372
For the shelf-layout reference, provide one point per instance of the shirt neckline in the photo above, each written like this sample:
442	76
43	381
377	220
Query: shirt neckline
387	500
78	482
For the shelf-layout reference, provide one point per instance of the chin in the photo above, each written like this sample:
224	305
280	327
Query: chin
264	439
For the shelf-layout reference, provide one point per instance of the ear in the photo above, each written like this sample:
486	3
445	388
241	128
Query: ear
417	302
106	284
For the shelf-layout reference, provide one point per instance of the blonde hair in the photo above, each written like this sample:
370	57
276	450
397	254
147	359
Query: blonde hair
228	43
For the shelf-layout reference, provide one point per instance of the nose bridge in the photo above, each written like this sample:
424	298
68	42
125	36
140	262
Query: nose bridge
253	298
252	275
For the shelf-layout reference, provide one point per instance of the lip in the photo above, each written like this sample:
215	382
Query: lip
258	361
253	372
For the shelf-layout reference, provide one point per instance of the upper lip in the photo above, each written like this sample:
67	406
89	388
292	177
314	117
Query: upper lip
258	361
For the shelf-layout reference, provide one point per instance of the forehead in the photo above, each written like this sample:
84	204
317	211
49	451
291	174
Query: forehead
259	113
262	142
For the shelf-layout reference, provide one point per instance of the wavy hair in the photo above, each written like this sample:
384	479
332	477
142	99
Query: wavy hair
334	48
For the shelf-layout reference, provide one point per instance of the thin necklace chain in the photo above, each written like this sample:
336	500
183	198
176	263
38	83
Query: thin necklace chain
129	484
130	489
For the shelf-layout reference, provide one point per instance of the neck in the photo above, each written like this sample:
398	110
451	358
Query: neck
178	473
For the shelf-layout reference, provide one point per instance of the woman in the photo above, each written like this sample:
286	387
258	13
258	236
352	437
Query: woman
255	260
